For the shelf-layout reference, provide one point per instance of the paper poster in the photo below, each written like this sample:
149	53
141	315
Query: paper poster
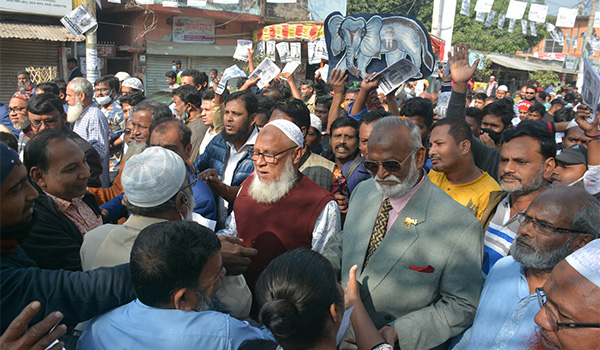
79	21
480	16
266	70
283	49
465	7
516	9
532	29
144	2
322	49
295	52
501	20
537	13
568	40
312	53
524	26
574	41
241	50
395	75
590	90
490	18
511	25
115	1
443	102
324	72
484	6
230	2
290	67
92	68
193	30
282	1
597	20
271	50
196	3
229	73
566	17
260	48
170	3
383	40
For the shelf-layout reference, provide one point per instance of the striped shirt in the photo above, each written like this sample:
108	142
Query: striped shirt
92	126
499	235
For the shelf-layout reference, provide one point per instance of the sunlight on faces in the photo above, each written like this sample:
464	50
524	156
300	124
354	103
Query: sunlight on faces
74	111
522	167
18	113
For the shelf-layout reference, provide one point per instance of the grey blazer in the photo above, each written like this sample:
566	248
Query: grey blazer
425	279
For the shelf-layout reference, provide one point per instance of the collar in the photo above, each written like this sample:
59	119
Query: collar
139	222
62	204
249	142
400	202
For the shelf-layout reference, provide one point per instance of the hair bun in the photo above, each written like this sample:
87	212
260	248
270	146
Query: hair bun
280	316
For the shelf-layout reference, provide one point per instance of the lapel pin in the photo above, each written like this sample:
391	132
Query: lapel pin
409	221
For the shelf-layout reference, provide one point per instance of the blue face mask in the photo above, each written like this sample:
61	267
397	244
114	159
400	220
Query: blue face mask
569	105
174	68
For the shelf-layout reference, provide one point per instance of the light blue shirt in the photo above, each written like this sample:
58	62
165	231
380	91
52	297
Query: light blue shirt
137	326
504	318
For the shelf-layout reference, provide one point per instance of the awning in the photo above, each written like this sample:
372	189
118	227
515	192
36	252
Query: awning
520	64
36	31
308	31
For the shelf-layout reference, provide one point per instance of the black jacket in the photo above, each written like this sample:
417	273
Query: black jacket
92	158
55	240
76	73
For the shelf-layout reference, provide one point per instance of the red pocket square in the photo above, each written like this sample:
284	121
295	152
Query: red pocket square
425	269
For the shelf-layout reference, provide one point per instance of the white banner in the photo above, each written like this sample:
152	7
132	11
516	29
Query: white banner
501	20
537	13
295	52
516	9
271	50
225	1
241	50
196	3
566	17
597	20
490	18
524	26
532	28
170	3
144	2
46	7
484	6
511	25
465	7
283	49
480	16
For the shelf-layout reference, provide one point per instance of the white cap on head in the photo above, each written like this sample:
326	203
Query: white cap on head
502	88
122	76
152	177
315	122
586	261
133	83
291	130
492	77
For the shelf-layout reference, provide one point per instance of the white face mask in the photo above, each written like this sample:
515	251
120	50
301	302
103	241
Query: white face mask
104	100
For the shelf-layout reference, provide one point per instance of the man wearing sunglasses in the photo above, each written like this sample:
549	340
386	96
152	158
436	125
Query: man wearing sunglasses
570	303
46	113
557	222
419	252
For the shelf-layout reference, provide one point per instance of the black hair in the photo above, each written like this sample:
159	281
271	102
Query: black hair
258	344
459	129
530	86
24	72
171	74
536	129
475	113
354	90
342	122
500	109
294	294
373	115
200	78
177	62
564	115
276	91
72	60
48	88
308	82
480	96
168	256
213	71
188	94
250	101
208	95
570	97
132	99
36	150
265	102
9	139
109	79
491	99
419	106
295	109
45	103
324	100
185	134
542	95
538	107
62	85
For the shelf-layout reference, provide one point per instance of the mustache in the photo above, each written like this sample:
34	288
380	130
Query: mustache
342	146
506	176
524	241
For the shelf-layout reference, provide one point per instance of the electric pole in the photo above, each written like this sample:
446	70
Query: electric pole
91	48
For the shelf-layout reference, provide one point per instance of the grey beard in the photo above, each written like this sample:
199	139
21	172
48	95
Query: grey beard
74	112
535	184
23	124
271	192
403	187
205	303
23	87
539	260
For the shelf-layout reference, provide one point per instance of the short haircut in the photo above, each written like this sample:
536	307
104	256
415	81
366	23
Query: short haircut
500	109
373	115
265	102
530	87
48	88
171	74
169	256
274	91
214	71
587	218
308	82
9	139
475	113
536	129
45	103
188	94
390	124
199	77
324	100
480	96
538	107
570	97
72	60
62	85
459	129
158	111
132	99
354	90
542	95
295	109
185	134
491	99
342	122
36	150
109	79
82	85
177	62
419	106
250	101
564	115
23	72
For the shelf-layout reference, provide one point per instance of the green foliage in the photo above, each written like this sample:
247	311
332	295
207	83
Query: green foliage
484	73
545	78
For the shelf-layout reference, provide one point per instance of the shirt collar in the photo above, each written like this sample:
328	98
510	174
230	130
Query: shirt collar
249	142
62	204
400	202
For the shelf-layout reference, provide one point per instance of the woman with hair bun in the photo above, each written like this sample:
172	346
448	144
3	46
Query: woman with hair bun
302	303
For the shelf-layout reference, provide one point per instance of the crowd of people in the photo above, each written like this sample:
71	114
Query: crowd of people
303	215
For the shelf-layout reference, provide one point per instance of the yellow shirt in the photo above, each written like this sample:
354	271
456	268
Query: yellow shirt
474	195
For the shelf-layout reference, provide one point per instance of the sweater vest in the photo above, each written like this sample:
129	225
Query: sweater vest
276	228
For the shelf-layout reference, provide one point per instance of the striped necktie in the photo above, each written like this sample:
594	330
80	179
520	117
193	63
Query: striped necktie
379	229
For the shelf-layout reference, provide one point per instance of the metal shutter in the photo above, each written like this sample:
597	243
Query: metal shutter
156	67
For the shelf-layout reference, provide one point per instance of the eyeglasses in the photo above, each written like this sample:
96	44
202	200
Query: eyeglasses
191	184
47	122
269	158
542	227
391	166
553	319
17	109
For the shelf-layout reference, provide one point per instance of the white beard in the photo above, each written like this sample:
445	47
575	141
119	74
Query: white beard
74	112
402	187
271	192
23	124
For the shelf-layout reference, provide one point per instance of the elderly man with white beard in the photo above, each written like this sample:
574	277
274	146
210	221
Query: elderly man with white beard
88	121
277	208
418	251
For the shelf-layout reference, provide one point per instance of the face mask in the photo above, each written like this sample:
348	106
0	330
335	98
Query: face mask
569	105
174	68
495	136
103	100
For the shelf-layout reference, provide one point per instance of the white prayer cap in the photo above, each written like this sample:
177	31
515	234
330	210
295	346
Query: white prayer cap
291	130
152	177
586	261
502	88
122	76
315	122
492	77
133	83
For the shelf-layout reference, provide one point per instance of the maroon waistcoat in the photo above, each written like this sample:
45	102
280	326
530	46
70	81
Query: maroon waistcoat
275	228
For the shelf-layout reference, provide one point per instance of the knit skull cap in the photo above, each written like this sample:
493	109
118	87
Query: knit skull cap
152	177
133	83
8	160
122	76
291	130
23	95
315	122
502	88
586	261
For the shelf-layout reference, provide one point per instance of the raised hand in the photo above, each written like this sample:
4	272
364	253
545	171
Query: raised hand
460	69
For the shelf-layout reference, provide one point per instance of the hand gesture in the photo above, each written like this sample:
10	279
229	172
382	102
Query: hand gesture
460	70
337	79
367	84
38	337
235	257
352	290
583	112
250	83
287	76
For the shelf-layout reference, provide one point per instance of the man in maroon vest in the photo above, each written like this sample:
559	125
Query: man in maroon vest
277	208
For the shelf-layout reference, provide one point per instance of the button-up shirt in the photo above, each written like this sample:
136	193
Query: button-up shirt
79	212
92	126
